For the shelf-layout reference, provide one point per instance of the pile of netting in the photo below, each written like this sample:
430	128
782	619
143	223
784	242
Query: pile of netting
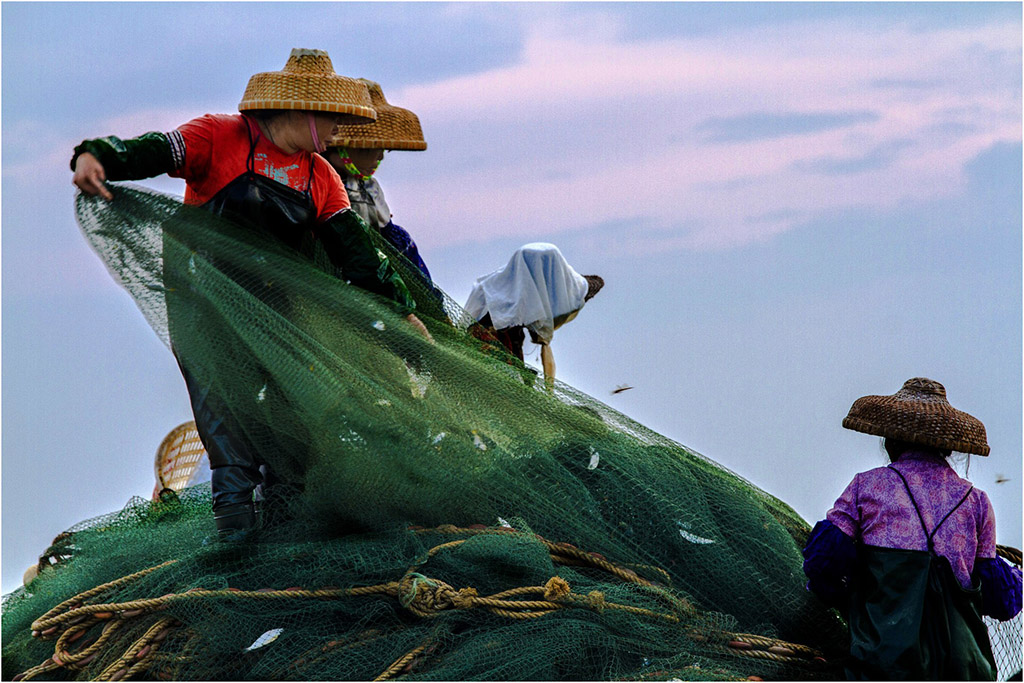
448	515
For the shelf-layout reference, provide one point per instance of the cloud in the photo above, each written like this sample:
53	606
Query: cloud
702	137
699	142
871	160
762	125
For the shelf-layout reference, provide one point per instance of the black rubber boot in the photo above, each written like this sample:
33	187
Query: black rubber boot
235	522
235	472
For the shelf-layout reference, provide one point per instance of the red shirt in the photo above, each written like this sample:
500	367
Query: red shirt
216	152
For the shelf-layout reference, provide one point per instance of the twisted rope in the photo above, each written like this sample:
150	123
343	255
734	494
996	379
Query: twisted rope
144	650
400	663
48	619
742	644
568	554
45	667
1010	553
422	595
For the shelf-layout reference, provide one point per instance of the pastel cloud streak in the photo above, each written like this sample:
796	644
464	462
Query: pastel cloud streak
712	141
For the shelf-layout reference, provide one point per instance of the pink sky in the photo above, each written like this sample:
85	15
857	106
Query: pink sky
947	110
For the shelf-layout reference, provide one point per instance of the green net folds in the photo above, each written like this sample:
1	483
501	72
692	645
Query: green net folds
448	516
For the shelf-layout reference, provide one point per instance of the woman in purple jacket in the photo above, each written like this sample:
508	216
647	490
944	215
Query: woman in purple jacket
908	551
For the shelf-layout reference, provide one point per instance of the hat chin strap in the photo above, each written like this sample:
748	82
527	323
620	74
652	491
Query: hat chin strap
317	145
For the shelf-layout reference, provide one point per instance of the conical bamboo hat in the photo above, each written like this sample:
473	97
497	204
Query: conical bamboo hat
395	127
919	413
308	83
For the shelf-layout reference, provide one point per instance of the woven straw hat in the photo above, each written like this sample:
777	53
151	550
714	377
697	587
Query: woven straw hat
308	83
395	128
594	285
919	413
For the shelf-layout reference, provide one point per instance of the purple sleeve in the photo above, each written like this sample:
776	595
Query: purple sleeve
1000	587
844	513
829	559
402	241
986	527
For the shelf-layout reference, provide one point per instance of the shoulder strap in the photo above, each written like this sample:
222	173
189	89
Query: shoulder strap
312	166
929	537
250	161
955	507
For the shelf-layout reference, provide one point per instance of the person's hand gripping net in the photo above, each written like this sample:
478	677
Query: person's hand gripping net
90	176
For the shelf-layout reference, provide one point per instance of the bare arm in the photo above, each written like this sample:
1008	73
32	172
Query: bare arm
420	327
547	359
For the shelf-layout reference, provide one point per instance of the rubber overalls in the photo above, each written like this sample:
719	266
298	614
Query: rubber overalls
289	215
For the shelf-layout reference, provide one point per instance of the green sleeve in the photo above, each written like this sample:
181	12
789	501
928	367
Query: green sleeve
348	245
142	157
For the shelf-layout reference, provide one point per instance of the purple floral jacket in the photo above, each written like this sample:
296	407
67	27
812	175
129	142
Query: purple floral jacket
876	510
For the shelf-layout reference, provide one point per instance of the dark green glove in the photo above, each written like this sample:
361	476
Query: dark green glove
346	240
142	157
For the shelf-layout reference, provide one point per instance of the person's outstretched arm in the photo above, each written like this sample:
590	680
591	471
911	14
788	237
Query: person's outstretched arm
111	158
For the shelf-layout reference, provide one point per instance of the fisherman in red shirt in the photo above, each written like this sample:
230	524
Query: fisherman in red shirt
260	169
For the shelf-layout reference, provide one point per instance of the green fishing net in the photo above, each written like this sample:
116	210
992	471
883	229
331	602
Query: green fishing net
448	516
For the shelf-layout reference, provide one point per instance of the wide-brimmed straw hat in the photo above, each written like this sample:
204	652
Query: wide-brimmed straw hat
919	413
308	83
395	127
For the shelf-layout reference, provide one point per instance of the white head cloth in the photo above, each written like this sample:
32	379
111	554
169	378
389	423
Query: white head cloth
535	286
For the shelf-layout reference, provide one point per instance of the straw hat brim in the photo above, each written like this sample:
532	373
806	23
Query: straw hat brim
396	128
378	143
308	82
594	285
304	92
932	423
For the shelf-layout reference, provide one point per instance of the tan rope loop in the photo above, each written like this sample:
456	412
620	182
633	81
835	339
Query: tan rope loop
762	647
765	654
520	615
400	663
512	592
126	665
1010	553
520	605
82	657
564	553
426	597
79	599
766	642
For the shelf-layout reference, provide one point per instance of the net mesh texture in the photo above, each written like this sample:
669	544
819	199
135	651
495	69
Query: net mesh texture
443	514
